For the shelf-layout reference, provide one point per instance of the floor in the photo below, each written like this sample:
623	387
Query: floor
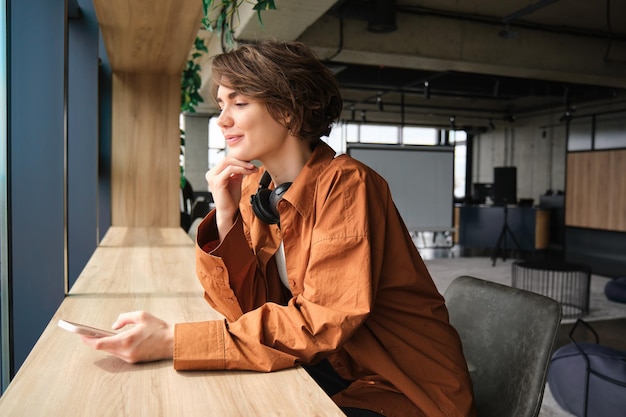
606	317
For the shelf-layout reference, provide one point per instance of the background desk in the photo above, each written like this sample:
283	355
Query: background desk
152	270
480	226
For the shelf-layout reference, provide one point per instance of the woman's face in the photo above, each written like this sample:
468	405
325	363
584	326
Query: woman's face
249	130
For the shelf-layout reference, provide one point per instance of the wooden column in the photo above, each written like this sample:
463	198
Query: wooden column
147	42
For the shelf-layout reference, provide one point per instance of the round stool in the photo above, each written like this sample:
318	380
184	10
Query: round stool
566	282
615	290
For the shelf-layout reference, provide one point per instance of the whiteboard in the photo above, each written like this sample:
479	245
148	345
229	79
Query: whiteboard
421	179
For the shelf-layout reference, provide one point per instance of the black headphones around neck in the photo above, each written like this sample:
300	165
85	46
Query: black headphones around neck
264	202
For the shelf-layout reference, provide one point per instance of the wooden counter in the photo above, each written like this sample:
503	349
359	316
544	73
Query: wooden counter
480	227
152	270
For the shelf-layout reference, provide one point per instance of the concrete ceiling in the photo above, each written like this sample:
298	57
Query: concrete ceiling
470	62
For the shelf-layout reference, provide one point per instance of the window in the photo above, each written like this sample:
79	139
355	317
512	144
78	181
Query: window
420	135
610	131
378	134
459	139
343	133
217	144
580	134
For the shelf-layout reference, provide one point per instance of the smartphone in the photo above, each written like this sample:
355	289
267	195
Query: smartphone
84	330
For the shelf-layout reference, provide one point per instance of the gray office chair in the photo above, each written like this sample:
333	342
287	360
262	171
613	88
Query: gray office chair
508	335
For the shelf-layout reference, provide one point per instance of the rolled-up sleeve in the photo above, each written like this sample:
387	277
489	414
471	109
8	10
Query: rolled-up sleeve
228	273
199	345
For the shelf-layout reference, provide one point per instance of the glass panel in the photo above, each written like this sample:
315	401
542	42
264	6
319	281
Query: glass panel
579	135
379	134
4	293
216	139
351	132
216	143
611	131
459	138
335	139
215	155
420	135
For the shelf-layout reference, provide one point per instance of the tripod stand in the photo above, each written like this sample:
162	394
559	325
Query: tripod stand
501	243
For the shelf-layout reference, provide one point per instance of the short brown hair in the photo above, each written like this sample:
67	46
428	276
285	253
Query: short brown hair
288	78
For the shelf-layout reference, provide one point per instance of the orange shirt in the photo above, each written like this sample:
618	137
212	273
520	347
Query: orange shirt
361	296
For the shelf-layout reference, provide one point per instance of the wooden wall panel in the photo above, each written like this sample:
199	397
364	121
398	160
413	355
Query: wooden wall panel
542	229
595	190
145	150
617	187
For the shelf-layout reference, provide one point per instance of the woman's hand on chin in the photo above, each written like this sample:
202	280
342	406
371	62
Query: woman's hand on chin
224	182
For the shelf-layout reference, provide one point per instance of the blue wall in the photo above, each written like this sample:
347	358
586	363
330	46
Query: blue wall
4	300
105	89
37	160
82	138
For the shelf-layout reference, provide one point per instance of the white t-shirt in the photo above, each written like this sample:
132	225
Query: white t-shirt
282	266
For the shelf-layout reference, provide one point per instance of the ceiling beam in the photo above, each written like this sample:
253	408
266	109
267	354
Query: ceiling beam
441	44
527	10
432	42
286	22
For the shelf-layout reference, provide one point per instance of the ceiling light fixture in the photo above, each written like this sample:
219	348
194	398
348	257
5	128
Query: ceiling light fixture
383	17
379	14
567	116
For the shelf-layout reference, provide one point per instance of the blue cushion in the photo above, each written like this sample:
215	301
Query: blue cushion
615	290
606	386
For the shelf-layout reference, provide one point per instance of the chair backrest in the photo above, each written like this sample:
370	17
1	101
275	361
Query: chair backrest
508	336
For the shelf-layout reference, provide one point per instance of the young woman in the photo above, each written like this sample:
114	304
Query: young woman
307	257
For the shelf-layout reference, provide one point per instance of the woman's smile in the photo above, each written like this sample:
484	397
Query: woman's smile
233	139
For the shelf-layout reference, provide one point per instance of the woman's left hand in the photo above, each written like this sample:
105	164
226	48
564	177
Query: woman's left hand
151	339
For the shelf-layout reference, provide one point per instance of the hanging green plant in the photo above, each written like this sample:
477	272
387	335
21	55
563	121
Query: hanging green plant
191	80
222	24
230	8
